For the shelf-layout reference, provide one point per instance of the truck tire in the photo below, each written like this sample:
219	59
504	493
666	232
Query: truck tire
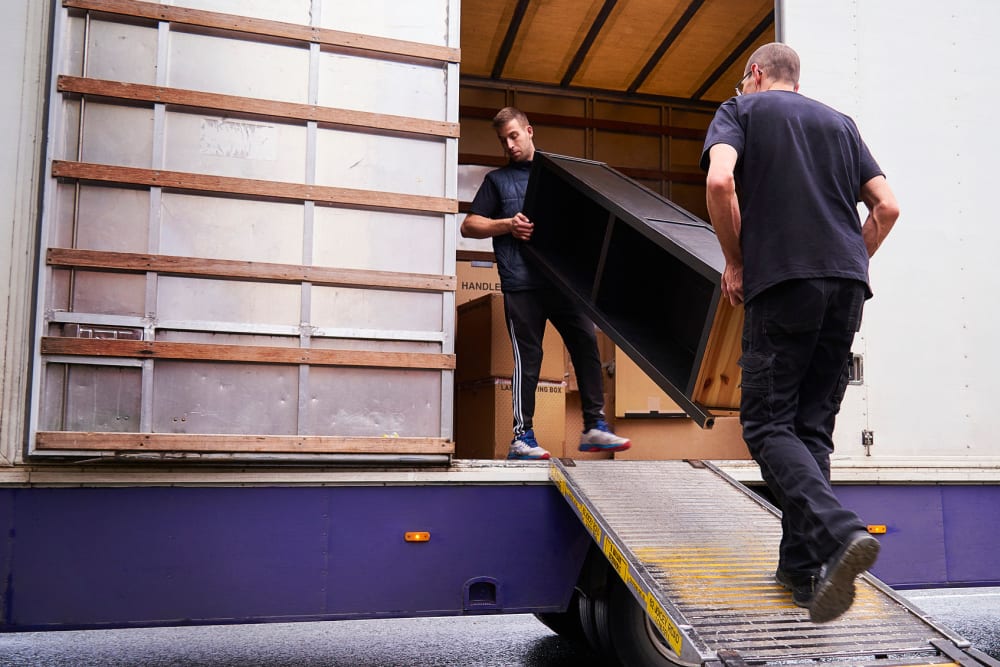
635	639
567	624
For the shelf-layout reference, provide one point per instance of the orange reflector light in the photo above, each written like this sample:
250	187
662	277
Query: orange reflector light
417	536
876	528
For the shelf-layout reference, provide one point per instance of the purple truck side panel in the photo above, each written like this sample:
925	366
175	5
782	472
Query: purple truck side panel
107	557
937	535
145	556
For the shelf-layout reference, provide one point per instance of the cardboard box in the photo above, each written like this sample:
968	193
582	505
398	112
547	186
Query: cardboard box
665	438
484	418
475	279
483	349
636	393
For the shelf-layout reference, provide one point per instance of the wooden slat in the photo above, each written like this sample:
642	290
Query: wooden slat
277	190
191	442
262	271
266	28
609	124
142	349
475	256
325	116
694	178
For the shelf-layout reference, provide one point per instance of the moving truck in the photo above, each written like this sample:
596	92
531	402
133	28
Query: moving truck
233	275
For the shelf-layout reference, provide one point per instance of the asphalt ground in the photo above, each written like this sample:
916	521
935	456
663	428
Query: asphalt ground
483	641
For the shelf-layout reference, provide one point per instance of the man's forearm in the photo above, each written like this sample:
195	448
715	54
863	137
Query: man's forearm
724	212
883	211
480	227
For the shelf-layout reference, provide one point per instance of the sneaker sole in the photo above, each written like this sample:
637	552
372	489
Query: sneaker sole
528	458
835	593
605	448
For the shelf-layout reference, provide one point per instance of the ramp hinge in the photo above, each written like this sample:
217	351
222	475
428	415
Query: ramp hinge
727	658
568	462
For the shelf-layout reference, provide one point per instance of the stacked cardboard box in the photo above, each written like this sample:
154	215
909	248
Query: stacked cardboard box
484	416
659	428
475	279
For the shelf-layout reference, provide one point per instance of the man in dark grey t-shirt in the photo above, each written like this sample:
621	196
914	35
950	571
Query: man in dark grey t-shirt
785	175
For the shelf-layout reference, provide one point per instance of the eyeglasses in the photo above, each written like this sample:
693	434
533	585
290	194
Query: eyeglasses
739	86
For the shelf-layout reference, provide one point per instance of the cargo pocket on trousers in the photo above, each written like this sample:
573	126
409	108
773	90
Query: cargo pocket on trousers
756	386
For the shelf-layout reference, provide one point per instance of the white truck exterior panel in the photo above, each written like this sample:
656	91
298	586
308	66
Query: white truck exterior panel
915	78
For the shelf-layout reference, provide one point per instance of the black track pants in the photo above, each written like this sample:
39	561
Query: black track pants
526	312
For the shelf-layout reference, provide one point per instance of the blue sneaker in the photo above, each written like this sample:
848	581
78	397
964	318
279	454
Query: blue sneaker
525	448
601	439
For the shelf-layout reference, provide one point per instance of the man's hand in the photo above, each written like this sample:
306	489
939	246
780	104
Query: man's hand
521	228
732	284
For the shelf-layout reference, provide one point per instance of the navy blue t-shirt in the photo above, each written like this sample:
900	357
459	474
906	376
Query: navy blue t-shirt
502	196
798	177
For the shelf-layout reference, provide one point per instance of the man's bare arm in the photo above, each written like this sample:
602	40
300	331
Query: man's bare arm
724	211
883	210
480	227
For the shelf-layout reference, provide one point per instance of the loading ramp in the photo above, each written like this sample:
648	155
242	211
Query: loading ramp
698	550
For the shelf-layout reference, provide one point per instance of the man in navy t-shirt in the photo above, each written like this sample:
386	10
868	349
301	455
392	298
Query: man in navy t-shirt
785	175
530	299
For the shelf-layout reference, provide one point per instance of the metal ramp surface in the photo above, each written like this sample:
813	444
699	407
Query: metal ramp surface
698	550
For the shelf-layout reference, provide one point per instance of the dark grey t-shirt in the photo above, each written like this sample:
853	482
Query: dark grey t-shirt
799	175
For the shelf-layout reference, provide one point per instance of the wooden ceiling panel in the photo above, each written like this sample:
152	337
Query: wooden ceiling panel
724	88
484	26
715	32
674	49
630	37
550	35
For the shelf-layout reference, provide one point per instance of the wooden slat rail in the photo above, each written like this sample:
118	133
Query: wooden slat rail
276	190
136	349
610	124
191	442
236	269
273	29
691	177
325	116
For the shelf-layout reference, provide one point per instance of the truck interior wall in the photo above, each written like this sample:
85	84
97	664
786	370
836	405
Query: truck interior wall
654	143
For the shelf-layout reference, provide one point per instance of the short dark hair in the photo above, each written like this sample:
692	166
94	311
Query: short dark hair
779	61
508	114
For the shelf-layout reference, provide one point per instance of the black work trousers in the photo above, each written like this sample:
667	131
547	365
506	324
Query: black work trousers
797	339
526	312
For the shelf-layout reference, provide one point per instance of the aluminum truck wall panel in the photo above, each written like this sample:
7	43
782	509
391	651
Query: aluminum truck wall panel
244	234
